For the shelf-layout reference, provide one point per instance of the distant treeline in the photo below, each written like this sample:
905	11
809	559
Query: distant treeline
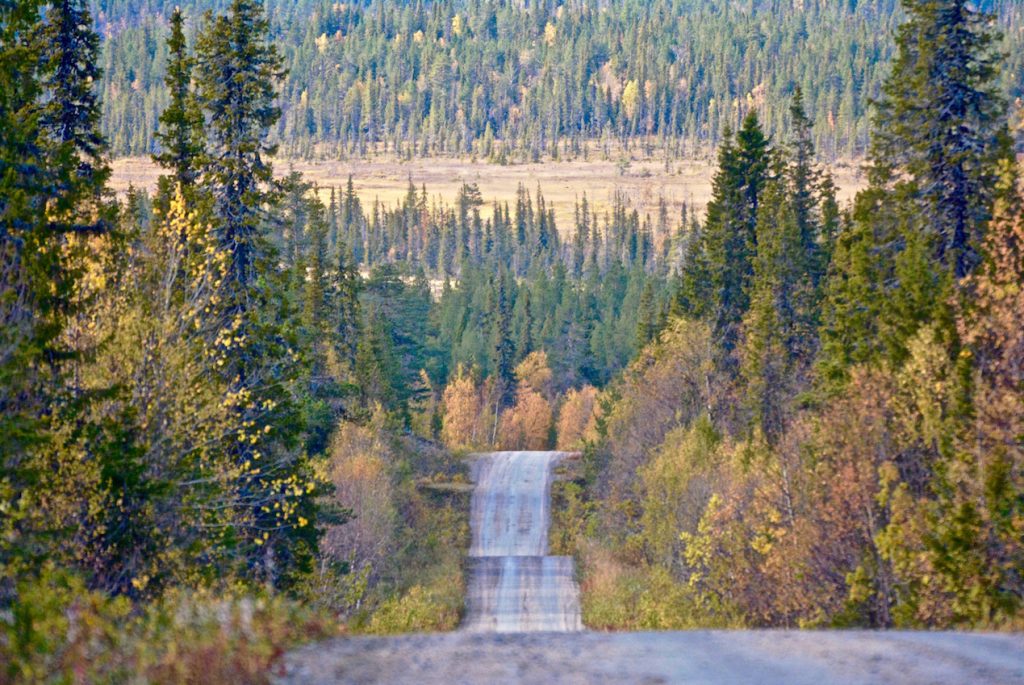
510	81
590	295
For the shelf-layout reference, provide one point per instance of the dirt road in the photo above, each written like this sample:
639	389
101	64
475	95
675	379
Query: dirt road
513	586
522	626
707	658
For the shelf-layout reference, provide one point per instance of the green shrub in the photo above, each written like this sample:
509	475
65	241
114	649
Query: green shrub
433	608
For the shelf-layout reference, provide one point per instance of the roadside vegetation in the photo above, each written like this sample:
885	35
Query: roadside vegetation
828	430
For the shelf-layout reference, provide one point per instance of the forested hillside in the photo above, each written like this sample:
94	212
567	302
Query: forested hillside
511	81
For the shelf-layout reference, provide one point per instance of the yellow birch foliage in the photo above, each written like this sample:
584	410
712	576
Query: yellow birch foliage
363	485
463	412
535	372
577	418
527	424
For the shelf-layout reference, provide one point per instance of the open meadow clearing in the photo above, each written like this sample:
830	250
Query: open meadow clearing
562	183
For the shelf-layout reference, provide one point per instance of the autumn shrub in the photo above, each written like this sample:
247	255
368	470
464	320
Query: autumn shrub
59	631
577	418
527	424
571	518
676	485
464	422
670	384
426	588
620	596
435	607
360	468
393	563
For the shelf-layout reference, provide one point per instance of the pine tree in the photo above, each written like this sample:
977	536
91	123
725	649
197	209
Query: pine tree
181	135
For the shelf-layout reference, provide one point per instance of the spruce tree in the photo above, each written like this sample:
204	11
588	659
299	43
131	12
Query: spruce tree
238	68
332	222
377	368
941	124
647	317
854	291
524	324
28	260
716	278
181	135
939	141
778	328
72	113
351	222
315	300
346	303
502	345
809	188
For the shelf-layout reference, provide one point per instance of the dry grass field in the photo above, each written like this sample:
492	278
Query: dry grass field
562	183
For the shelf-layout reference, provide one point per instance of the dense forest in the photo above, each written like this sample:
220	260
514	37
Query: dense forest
233	407
514	81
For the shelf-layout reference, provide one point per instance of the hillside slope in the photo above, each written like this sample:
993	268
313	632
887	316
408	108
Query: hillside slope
512	80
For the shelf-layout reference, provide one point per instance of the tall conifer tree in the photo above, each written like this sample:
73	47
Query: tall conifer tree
716	278
181	135
72	114
238	70
941	124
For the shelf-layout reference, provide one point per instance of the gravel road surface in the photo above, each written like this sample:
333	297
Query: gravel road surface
512	585
523	625
699	657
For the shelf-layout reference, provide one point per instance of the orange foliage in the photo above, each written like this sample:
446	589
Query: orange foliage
577	418
362	483
994	331
527	425
535	373
670	384
463	413
787	536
